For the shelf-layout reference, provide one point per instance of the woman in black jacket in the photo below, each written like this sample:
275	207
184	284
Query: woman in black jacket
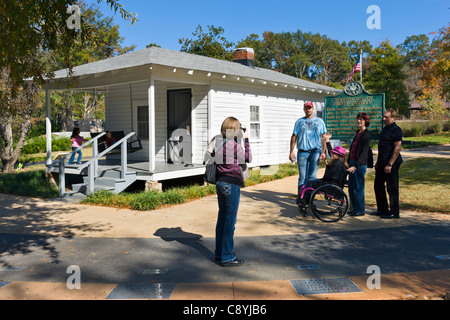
357	160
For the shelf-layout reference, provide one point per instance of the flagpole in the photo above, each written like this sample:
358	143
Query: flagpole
360	61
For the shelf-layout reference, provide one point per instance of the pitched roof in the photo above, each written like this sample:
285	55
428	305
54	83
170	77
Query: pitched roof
176	59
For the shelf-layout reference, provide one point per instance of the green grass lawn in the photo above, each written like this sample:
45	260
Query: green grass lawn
31	183
424	185
150	200
428	140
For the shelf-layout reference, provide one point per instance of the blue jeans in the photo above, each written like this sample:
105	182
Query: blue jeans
308	164
72	157
356	187
228	196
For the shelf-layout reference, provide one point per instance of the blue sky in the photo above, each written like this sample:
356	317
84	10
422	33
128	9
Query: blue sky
164	22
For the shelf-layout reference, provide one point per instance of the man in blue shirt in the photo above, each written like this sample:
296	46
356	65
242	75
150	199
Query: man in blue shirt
309	138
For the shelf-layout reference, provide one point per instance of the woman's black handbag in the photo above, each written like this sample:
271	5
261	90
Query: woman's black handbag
211	166
210	173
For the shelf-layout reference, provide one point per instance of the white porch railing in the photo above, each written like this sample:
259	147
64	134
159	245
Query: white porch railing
92	164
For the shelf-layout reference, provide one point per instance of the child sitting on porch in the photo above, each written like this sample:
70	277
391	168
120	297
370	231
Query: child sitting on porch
110	140
77	141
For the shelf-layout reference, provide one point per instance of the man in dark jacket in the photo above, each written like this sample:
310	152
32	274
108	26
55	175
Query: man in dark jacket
387	166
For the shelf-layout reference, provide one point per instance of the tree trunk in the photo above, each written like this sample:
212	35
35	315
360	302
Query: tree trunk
9	156
17	106
51	179
66	113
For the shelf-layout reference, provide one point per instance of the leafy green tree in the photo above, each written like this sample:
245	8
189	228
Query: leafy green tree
439	62
385	74
211	44
105	42
303	55
25	104
435	80
36	32
415	50
328	57
354	49
278	46
262	57
299	61
34	26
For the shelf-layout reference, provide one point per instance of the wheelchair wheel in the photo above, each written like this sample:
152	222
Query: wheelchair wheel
329	203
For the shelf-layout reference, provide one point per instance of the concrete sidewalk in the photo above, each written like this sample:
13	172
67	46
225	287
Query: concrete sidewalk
428	285
265	209
37	232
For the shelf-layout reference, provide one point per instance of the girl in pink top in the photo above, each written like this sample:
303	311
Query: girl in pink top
77	141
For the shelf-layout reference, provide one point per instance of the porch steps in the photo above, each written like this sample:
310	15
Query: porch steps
73	195
107	179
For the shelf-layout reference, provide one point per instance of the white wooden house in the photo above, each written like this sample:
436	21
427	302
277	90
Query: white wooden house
154	91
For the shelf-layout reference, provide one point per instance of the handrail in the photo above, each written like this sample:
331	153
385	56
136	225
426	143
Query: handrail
92	164
76	150
113	146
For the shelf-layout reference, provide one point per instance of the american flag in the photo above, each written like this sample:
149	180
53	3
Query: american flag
357	67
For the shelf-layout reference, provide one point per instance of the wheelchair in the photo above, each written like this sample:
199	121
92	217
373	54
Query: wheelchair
327	201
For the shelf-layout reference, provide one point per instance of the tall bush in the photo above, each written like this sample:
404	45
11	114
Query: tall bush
420	128
39	145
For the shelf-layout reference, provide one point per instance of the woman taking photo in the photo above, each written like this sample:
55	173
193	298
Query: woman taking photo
230	158
357	160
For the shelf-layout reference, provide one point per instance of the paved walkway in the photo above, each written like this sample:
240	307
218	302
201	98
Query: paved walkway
168	253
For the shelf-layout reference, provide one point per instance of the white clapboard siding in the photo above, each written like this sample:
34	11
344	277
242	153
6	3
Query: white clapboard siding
119	108
278	113
121	116
199	122
279	109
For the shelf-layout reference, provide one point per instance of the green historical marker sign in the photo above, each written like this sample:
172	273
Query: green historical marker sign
341	111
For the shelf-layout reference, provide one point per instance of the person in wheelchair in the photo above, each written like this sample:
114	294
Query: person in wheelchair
335	173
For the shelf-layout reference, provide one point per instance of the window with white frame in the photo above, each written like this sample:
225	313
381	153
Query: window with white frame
142	122
255	123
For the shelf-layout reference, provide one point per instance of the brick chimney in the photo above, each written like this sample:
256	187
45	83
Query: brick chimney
245	56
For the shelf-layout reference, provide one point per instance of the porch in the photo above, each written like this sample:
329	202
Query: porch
110	175
167	115
163	171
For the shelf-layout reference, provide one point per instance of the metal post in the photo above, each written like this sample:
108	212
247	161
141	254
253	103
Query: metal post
91	183
62	178
123	159
94	155
48	128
